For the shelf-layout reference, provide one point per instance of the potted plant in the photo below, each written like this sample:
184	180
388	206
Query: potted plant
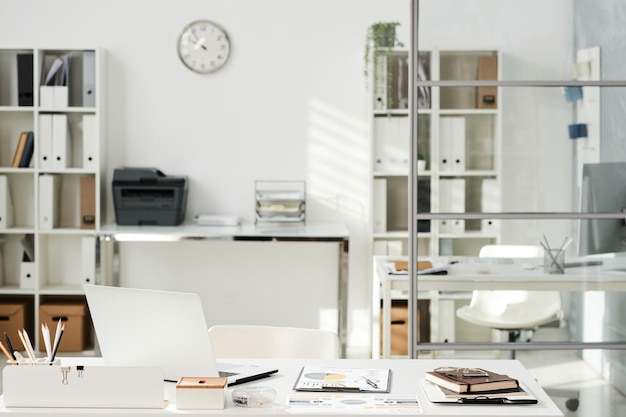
421	163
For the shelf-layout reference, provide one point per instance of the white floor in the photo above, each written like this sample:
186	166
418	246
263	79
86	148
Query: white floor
565	370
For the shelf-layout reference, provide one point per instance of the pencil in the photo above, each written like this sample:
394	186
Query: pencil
9	345
45	333
19	333
57	341
8	355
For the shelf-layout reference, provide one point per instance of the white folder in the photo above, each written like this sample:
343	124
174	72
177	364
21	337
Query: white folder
490	203
89	79
6	204
445	194
28	275
61	142
452	200
49	188
44	141
380	205
88	259
392	142
457	201
452	144
90	141
380	82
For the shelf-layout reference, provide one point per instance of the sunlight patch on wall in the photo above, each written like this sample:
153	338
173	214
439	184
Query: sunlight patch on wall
338	161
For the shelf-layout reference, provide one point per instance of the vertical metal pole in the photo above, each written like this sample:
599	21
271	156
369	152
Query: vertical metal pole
414	60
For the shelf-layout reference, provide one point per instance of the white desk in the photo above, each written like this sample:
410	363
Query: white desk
110	237
509	275
406	375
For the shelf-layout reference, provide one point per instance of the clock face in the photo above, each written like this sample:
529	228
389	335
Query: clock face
203	46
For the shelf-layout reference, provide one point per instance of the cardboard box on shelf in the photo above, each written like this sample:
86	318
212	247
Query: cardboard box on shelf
400	326
74	314
487	96
13	317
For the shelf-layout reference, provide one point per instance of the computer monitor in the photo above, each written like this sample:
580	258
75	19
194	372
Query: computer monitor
603	190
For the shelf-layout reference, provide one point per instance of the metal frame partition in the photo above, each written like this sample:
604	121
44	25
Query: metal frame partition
414	216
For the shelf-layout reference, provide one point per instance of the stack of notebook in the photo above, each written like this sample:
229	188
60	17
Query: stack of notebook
472	382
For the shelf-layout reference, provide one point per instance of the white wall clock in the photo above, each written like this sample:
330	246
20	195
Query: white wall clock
203	46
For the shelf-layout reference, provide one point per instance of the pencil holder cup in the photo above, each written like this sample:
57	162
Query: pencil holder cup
554	261
38	361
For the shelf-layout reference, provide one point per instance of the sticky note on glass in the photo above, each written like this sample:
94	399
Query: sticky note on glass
573	94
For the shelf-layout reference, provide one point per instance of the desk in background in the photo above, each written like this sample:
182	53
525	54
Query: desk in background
111	236
406	376
466	276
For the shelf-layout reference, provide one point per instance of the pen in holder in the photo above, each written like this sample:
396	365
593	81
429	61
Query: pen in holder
553	261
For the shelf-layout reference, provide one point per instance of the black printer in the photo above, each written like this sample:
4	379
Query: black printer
146	196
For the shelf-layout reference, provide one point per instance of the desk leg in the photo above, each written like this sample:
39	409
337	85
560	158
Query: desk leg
386	333
107	261
342	293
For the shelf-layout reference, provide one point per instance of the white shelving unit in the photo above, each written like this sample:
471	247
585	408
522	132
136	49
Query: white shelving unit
452	127
459	140
64	255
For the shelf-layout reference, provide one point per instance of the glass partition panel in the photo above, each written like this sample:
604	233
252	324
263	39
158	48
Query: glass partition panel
526	181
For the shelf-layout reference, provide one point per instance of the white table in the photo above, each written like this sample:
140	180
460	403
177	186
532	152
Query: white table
479	274
406	376
111	236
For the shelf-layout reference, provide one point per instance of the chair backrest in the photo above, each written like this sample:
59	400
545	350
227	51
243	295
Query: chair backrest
509	309
249	341
515	309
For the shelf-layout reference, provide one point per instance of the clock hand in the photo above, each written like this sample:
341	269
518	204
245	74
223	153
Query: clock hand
200	44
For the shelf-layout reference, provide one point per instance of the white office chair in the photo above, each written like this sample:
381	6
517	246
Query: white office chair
247	341
517	312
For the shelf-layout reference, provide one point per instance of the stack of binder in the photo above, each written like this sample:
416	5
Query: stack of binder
452	144
55	150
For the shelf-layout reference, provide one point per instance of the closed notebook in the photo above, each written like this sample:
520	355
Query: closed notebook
461	382
498	393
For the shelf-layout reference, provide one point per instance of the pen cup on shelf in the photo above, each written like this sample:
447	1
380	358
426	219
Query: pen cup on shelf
554	261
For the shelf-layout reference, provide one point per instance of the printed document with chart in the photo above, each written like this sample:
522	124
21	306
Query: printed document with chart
326	379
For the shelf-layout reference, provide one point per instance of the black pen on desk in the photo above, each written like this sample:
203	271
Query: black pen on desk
481	400
9	345
57	340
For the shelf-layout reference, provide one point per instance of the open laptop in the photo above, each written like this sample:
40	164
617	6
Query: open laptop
139	327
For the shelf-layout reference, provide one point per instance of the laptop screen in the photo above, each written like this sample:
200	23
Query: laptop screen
139	327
